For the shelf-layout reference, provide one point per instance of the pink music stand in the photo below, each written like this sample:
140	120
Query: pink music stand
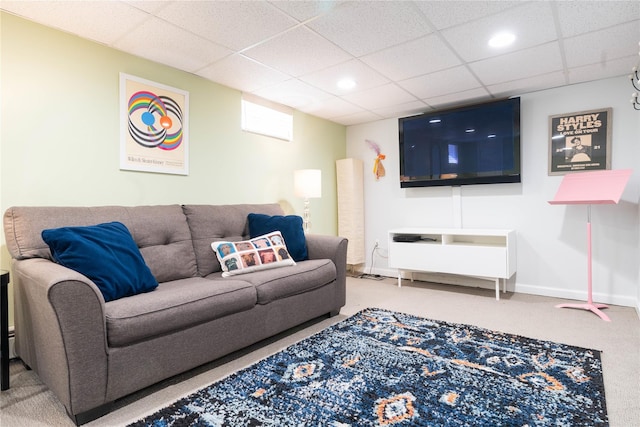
591	188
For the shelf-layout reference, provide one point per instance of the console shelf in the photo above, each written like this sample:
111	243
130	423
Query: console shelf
483	253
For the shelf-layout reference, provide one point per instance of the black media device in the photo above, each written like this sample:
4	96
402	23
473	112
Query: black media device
407	238
472	144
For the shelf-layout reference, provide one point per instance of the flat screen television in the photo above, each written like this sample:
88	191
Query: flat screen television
472	144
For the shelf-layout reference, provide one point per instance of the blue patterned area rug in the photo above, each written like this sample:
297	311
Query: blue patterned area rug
381	368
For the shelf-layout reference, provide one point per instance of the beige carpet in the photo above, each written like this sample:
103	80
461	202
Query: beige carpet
28	403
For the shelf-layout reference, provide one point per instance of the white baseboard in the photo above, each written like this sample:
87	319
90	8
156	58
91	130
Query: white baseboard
449	279
12	347
12	343
578	295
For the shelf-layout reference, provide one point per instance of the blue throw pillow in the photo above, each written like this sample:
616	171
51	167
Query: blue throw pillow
106	254
290	226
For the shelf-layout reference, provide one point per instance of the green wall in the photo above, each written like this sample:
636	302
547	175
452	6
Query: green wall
60	135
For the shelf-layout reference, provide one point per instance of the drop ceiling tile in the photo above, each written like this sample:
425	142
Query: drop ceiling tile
364	76
380	96
615	67
530	84
364	27
164	43
586	16
421	56
440	83
332	107
294	93
464	97
604	45
518	65
532	24
297	52
149	6
233	24
103	22
358	118
303	10
402	110
242	73
445	14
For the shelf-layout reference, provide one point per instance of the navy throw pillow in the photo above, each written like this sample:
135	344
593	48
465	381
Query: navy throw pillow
290	226
106	254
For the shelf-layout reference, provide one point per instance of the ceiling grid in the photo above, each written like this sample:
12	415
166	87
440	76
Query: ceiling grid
405	57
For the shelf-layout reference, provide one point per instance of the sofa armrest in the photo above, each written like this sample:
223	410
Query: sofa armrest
61	331
335	249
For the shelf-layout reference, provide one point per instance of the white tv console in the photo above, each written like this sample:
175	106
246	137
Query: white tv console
488	254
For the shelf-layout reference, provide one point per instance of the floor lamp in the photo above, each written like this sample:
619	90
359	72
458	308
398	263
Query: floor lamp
307	183
591	188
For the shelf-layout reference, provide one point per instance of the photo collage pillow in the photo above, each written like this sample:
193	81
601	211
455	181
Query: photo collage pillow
259	253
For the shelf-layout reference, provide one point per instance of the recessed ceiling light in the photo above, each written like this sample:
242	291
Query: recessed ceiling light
346	84
502	39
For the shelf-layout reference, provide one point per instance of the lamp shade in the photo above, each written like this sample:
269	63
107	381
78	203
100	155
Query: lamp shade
307	183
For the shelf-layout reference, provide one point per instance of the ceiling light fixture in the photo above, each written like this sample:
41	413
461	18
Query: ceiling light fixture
502	39
346	83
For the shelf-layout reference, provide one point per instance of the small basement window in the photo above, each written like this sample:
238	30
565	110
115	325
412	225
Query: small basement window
266	118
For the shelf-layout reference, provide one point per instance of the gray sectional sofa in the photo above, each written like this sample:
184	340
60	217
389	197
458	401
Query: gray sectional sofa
90	352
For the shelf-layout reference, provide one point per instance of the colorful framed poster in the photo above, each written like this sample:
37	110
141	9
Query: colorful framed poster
580	142
154	125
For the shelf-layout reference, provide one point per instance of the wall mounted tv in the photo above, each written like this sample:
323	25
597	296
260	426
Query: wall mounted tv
472	144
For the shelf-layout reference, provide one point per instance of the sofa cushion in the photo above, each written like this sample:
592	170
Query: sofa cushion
174	306
161	232
290	226
211	223
164	239
106	254
280	283
261	253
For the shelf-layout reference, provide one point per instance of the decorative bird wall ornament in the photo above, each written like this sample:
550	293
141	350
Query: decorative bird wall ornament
378	168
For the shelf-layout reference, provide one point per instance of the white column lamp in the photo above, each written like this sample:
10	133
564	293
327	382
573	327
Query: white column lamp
307	183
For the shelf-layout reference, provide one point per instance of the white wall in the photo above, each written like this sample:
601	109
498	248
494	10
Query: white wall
551	239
